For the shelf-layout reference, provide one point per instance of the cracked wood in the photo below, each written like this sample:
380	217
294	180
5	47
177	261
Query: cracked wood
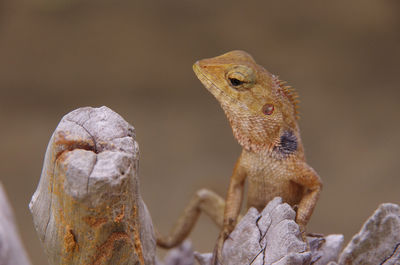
87	208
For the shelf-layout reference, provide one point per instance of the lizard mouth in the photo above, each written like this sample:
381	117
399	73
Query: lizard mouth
204	79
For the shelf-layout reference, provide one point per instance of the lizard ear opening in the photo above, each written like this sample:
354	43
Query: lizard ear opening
241	77
268	109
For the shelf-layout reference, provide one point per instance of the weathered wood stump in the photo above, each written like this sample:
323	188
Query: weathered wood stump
87	208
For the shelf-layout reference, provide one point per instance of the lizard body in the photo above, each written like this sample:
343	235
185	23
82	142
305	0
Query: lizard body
262	112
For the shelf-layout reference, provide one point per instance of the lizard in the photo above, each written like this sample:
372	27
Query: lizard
263	114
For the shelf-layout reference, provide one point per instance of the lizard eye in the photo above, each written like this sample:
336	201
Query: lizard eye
268	109
241	77
235	82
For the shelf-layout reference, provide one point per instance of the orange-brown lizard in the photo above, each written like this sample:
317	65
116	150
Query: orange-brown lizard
263	115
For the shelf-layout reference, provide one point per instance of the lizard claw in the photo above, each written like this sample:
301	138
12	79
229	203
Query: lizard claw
216	258
217	253
315	235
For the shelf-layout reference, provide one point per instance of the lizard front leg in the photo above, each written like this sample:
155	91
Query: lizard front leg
203	201
232	209
312	184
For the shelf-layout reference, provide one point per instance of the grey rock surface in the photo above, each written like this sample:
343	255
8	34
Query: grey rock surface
378	241
87	208
11	249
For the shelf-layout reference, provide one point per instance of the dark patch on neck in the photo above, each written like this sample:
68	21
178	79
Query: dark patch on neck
287	144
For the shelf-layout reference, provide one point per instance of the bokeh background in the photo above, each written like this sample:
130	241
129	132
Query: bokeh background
136	56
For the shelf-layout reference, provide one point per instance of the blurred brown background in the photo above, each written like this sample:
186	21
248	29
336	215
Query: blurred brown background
135	57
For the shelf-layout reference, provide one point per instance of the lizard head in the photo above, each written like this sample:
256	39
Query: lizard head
259	107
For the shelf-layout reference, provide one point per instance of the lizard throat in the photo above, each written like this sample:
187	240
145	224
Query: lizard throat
252	133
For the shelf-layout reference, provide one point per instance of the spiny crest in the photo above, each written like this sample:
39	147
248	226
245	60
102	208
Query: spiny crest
289	92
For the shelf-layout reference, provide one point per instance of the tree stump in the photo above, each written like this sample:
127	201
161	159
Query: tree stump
87	208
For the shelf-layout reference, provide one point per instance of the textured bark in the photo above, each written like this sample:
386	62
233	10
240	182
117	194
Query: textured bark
378	241
11	249
87	208
273	237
